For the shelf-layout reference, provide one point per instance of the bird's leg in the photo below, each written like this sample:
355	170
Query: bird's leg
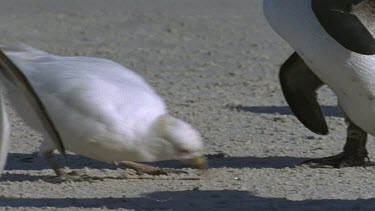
61	175
141	168
52	163
354	153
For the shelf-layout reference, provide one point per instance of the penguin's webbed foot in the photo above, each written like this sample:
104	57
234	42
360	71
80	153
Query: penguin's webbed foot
354	154
340	160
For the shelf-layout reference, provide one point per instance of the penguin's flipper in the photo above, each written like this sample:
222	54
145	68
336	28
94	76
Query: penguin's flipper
13	73
299	85
4	133
350	22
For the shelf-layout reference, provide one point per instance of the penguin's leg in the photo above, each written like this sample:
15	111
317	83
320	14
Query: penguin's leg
354	153
141	168
299	85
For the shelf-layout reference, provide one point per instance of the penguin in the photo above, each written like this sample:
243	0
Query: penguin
334	45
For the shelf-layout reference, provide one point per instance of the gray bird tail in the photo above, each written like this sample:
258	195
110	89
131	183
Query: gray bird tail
4	133
11	71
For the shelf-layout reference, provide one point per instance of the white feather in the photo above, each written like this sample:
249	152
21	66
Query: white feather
101	109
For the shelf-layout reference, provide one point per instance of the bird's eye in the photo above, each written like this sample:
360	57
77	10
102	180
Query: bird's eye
183	151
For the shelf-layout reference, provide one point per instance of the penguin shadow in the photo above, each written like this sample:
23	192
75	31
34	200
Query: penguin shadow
221	160
191	200
330	111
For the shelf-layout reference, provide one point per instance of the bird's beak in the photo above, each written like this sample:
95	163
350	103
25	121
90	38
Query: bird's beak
198	162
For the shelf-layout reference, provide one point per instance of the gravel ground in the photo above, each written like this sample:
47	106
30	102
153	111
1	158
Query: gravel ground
215	62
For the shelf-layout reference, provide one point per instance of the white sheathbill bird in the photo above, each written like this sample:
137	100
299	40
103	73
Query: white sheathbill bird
95	108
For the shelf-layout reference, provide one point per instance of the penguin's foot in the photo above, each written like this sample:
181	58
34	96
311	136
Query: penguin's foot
354	154
341	160
147	169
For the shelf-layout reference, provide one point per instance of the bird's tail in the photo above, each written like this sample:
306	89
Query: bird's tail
4	134
24	51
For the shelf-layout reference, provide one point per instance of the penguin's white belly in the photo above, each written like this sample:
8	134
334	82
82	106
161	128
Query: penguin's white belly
351	76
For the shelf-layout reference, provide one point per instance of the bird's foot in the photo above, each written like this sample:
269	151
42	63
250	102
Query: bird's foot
344	159
141	168
65	177
159	171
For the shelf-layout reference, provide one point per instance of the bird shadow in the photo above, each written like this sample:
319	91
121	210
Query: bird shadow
19	161
190	200
330	111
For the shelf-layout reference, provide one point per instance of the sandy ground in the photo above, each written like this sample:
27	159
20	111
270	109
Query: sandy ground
215	62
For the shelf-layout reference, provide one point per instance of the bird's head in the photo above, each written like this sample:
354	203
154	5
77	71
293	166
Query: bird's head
179	141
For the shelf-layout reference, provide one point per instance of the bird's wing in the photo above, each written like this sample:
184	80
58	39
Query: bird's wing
350	22
299	85
13	73
4	133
